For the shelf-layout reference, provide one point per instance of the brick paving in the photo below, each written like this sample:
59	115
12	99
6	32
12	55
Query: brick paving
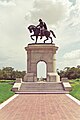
41	107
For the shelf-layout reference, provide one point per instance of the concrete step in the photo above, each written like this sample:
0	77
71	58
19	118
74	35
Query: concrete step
41	87
44	85
46	92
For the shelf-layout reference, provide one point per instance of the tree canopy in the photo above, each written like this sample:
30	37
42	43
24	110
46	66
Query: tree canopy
70	73
10	73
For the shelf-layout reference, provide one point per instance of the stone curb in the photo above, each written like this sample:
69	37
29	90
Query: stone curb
74	99
7	101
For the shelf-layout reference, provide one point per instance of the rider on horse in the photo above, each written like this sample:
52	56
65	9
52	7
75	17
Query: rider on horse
42	25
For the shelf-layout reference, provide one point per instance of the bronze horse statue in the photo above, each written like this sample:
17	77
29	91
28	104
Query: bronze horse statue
36	31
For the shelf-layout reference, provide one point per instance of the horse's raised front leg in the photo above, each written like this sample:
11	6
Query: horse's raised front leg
32	37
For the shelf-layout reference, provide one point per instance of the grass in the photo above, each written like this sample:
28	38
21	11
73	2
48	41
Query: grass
5	91
75	88
7	81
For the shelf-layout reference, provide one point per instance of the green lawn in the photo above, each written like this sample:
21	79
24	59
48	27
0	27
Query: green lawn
7	81
75	88
5	91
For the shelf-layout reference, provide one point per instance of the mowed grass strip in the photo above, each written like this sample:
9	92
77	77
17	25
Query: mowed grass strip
5	91
75	88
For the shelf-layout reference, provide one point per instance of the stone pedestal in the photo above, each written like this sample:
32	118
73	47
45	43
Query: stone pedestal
18	80
41	52
29	77
53	77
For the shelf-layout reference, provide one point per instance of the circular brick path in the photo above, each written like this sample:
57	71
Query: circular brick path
41	107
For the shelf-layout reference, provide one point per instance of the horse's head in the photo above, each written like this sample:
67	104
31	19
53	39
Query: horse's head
31	28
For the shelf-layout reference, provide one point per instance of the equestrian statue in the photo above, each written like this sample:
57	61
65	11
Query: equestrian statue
41	30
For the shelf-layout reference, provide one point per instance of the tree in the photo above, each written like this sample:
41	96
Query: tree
1	74
8	72
20	74
70	73
78	66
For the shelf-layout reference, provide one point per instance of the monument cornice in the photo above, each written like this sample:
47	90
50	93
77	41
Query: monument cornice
41	46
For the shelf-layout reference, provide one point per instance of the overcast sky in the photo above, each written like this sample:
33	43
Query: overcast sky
62	16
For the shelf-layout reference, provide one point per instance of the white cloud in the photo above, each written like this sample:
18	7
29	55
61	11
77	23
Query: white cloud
68	63
7	2
52	11
68	31
70	59
75	54
13	34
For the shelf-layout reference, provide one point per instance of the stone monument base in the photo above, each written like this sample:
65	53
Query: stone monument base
45	53
41	53
41	87
53	77
29	77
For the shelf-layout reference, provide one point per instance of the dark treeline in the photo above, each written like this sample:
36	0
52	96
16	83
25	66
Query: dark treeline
70	73
8	73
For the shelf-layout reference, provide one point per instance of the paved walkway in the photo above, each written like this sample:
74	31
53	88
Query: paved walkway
41	107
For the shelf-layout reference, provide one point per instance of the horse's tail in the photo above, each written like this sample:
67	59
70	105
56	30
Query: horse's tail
53	33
